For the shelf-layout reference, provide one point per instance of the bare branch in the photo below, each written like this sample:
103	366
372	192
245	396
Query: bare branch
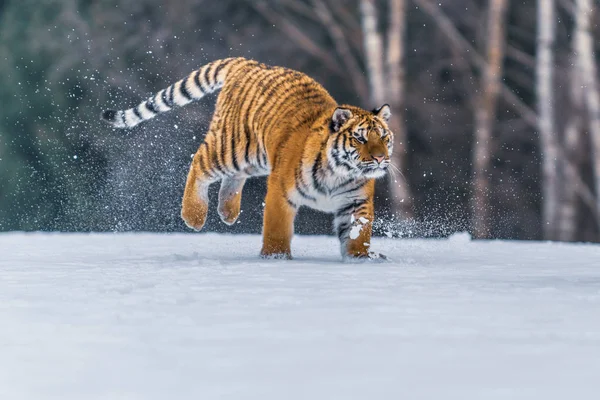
455	37
342	47
296	35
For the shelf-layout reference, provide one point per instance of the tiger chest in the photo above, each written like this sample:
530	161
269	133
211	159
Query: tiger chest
326	195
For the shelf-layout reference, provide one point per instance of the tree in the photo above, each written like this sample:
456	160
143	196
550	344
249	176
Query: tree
485	116
549	143
573	154
587	63
402	201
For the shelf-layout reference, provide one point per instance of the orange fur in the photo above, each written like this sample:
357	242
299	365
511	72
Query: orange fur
281	123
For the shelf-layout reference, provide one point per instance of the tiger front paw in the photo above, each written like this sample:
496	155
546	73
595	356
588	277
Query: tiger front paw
366	257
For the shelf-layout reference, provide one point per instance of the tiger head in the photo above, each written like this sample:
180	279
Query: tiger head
361	142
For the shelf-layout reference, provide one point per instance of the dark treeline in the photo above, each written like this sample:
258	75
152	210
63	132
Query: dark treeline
467	80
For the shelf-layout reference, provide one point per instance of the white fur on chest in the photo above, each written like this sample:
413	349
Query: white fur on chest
335	196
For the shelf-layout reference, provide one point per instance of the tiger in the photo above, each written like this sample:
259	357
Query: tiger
277	122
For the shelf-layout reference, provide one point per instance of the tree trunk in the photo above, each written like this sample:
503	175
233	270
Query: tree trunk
401	198
373	48
548	136
485	116
587	63
573	147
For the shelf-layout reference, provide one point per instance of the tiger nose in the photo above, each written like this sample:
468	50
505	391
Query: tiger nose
378	158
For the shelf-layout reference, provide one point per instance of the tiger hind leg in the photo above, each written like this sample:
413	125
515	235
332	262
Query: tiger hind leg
194	206
230	198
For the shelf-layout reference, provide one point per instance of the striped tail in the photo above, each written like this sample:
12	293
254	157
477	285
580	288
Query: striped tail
196	85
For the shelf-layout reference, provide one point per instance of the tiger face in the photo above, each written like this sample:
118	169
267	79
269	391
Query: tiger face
361	142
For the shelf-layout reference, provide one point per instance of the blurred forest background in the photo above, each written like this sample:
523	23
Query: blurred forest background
496	108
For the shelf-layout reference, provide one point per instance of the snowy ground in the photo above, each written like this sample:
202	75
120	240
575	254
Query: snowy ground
142	316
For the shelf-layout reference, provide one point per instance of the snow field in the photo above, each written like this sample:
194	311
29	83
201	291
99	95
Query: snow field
174	316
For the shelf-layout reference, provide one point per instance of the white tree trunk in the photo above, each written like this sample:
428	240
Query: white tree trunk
373	48
401	197
548	135
587	63
485	116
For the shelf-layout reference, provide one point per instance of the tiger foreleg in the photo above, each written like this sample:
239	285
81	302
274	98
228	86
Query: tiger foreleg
354	225
278	224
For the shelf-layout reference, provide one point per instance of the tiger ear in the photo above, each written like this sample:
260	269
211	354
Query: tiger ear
339	118
383	112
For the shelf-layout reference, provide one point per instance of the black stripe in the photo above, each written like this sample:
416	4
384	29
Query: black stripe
260	94
314	97
197	82
339	161
359	184
150	106
300	181
170	94
264	157
359	210
344	210
123	118
354	189
183	90
214	156
263	85
200	166
350	207
345	142
237	114
247	150
203	158
341	185
216	163
240	119
304	194
316	168
342	229
291	94
163	97
260	154
137	113
222	129
207	76
291	203
220	67
219	154
234	160
275	88
223	152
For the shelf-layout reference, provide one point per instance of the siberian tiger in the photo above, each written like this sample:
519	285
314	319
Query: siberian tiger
278	122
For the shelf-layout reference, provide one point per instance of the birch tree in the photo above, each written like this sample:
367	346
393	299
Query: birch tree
485	116
373	48
399	189
587	63
547	129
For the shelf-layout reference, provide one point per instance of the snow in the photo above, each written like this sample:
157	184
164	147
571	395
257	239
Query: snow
200	316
